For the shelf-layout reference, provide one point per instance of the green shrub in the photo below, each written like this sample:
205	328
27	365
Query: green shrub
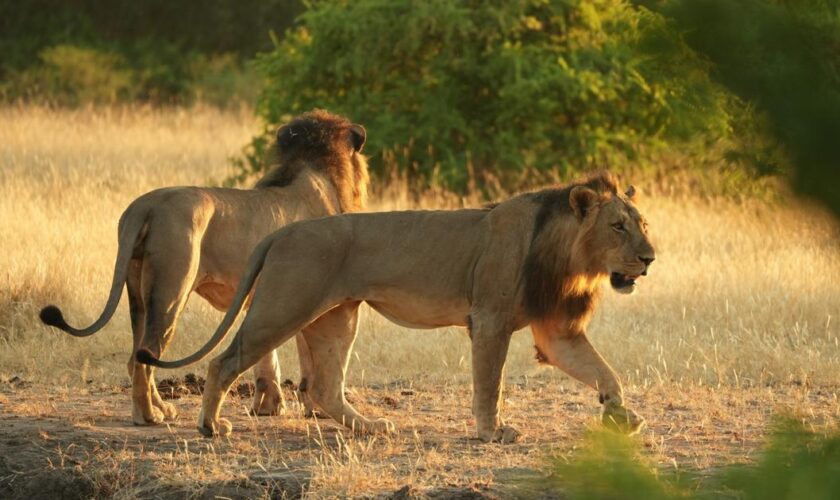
72	75
222	80
784	57
796	463
456	91
154	51
610	466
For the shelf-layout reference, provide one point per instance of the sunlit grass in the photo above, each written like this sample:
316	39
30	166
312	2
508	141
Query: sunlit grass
741	293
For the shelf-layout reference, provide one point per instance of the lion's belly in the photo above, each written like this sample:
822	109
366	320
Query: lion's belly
414	312
219	295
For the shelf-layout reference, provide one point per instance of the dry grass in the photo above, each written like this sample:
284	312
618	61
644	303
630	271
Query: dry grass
740	293
743	295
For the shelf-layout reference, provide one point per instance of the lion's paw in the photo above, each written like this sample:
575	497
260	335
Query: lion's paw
153	416
267	409
313	413
220	429
378	426
504	434
383	426
621	419
168	409
309	408
268	399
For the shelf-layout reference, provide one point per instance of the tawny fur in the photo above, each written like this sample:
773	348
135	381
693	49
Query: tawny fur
537	259
175	241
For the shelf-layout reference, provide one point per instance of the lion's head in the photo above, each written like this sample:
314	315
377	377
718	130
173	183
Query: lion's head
584	232
326	143
613	235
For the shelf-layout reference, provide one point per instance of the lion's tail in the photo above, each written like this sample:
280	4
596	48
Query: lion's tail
255	265
129	231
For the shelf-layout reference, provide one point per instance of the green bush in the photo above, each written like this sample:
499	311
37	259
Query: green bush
520	91
796	463
610	466
72	75
784	57
155	51
222	80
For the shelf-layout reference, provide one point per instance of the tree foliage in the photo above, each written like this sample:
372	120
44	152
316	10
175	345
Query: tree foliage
82	51
784	57
457	91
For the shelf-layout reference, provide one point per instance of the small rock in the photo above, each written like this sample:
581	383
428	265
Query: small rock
392	402
401	494
283	483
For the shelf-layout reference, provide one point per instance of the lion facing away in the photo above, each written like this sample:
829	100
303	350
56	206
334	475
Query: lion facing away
537	259
175	241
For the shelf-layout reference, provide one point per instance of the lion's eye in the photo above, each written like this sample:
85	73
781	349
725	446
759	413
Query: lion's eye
618	226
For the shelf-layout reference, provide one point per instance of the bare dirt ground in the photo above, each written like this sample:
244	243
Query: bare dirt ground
79	442
737	322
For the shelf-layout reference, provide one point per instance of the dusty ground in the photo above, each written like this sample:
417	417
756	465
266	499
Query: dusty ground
737	321
79	442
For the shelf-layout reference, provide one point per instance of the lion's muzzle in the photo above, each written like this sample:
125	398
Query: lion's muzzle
623	283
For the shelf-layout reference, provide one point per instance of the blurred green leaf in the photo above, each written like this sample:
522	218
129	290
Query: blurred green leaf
797	463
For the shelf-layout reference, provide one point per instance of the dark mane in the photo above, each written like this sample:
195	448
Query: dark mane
555	201
320	141
546	270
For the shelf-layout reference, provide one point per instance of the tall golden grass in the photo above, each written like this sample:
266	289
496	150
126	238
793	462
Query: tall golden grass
742	293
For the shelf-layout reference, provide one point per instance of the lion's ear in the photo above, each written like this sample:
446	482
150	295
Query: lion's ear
284	136
631	193
358	135
582	199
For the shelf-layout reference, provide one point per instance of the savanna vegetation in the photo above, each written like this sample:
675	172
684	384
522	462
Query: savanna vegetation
712	108
166	53
729	328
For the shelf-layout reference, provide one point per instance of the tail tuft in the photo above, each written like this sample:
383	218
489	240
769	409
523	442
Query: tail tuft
146	357
52	316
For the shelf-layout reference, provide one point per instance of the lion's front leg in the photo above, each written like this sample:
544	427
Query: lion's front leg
268	396
572	353
490	343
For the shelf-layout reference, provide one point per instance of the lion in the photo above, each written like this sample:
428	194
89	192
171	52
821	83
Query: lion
536	259
175	241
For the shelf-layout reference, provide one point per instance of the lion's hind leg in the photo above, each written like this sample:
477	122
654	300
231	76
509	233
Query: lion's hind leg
268	396
279	310
143	411
253	340
167	280
306	373
330	341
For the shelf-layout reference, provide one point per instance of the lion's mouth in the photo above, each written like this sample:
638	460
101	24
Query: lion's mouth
623	282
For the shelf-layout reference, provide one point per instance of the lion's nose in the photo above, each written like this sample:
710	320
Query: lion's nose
647	262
